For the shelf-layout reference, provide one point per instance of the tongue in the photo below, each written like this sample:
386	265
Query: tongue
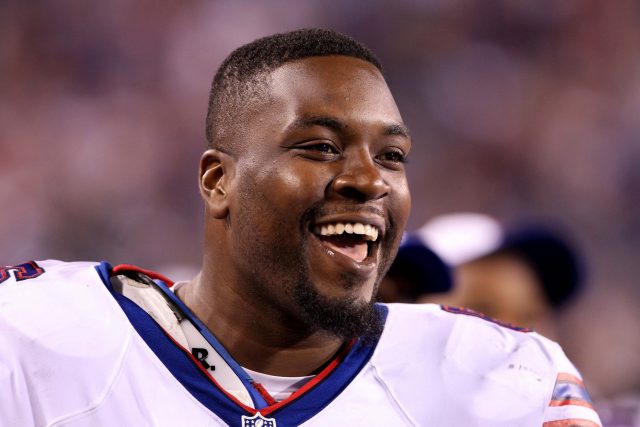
353	247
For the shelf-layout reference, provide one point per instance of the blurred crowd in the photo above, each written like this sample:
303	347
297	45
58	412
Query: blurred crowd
521	110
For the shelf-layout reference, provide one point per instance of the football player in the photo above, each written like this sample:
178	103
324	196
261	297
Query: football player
305	202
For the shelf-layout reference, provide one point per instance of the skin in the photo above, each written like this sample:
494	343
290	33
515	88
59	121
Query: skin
325	144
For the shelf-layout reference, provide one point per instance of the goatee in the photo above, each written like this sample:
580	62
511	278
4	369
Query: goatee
344	318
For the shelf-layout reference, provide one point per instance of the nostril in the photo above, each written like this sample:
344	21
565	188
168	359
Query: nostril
352	193
365	186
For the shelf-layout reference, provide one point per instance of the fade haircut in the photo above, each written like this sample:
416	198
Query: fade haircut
242	76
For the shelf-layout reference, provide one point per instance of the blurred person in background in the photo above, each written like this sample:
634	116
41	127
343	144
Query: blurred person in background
523	274
416	272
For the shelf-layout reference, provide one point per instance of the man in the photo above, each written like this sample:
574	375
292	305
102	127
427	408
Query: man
305	203
524	274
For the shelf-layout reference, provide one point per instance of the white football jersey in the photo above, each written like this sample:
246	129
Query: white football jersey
75	351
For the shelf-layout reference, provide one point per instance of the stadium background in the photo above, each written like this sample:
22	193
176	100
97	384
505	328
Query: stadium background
518	109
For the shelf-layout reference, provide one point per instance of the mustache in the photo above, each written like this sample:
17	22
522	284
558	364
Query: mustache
321	210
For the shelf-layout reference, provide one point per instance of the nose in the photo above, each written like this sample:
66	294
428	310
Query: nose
360	179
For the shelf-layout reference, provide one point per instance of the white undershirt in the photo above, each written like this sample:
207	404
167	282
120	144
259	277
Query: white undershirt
279	388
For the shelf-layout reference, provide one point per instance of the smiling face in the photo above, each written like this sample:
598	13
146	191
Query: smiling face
316	190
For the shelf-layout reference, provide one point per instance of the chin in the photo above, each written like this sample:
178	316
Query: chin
346	312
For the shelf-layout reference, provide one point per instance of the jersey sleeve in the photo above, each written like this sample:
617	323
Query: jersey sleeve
570	404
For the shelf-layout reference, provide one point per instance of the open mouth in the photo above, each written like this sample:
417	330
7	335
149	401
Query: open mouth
352	239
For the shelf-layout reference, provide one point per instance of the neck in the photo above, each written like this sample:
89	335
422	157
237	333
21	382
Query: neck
259	338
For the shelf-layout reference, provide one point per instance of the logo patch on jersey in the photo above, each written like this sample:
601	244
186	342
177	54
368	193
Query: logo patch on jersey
469	312
258	421
28	270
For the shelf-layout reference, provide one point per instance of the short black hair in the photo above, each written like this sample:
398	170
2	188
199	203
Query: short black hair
239	77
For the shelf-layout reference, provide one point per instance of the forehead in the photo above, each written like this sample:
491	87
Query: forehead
340	86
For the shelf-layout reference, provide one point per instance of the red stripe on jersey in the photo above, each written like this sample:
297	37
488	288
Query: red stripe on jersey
574	422
567	402
264	393
128	267
563	376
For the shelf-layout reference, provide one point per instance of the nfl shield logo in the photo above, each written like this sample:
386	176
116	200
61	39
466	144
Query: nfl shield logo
258	421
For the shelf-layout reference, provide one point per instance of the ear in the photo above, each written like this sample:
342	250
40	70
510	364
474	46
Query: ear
213	179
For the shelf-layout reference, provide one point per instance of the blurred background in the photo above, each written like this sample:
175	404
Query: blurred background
519	109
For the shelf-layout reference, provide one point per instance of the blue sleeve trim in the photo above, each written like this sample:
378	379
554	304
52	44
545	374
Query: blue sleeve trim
104	271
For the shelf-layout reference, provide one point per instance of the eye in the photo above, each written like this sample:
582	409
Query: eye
322	147
392	157
318	150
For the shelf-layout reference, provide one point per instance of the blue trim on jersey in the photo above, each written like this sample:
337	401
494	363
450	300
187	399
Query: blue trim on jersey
104	271
565	390
188	372
258	401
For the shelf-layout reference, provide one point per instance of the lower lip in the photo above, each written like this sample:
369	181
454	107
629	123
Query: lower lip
343	262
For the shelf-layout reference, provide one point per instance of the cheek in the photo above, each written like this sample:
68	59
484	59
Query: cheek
406	202
278	196
295	185
401	202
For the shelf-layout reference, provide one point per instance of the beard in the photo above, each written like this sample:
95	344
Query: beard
278	275
343	318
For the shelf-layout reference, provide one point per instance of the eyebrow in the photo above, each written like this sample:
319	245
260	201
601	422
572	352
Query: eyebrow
395	129
307	122
398	129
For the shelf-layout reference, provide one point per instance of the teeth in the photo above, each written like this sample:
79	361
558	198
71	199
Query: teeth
369	232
